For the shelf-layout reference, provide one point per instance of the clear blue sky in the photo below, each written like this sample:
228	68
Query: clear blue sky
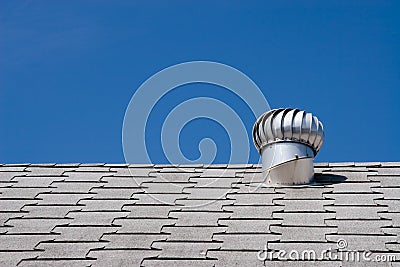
69	68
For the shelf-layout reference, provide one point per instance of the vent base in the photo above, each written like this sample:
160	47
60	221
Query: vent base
287	163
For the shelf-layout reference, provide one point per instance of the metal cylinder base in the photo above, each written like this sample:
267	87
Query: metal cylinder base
287	163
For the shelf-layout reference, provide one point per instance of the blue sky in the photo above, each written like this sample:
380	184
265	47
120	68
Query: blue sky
69	69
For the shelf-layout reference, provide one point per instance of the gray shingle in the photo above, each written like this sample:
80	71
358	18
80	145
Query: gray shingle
320	170
69	165
359	226
104	204
92	164
198	218
392	231
47	171
111	258
390	164
5	216
120	165
22	193
252	241
9	168
34	226
36	181
356	212
256	168
157	199
304	192
302	233
12	258
4	229
67	250
252	212
166	187
7	176
84	176
244	188
393	246
248	225
341	164
74	187
125	181
22	242
394	216
349	169
368	164
321	164
363	242
95	218
133	225
389	193
252	199
214	182
145	211
353	199
178	262
114	193
387	170
15	205
218	173
132	241
214	166
387	180
349	187
202	204
303	218
141	165
132	172
392	204
7	184
252	177
239	166
191	250
174	177
192	233
82	233
93	167
317	247
50	211
179	169
314	205
56	263
62	198
235	258
208	193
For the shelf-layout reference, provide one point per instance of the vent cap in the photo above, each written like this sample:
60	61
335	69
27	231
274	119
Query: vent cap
288	125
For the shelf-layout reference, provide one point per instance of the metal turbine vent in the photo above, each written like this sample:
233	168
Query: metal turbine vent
288	140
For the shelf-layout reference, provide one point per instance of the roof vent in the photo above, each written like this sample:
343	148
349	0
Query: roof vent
288	140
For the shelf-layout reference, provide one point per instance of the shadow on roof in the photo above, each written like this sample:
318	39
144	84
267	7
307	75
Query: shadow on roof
327	179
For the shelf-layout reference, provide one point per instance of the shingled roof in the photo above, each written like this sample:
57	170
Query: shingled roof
98	215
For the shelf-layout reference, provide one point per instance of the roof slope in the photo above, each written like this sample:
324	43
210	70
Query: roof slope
98	215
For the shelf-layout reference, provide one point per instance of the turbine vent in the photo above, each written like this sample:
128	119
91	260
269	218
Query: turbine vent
288	140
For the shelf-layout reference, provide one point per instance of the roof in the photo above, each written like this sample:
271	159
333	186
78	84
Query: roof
97	215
